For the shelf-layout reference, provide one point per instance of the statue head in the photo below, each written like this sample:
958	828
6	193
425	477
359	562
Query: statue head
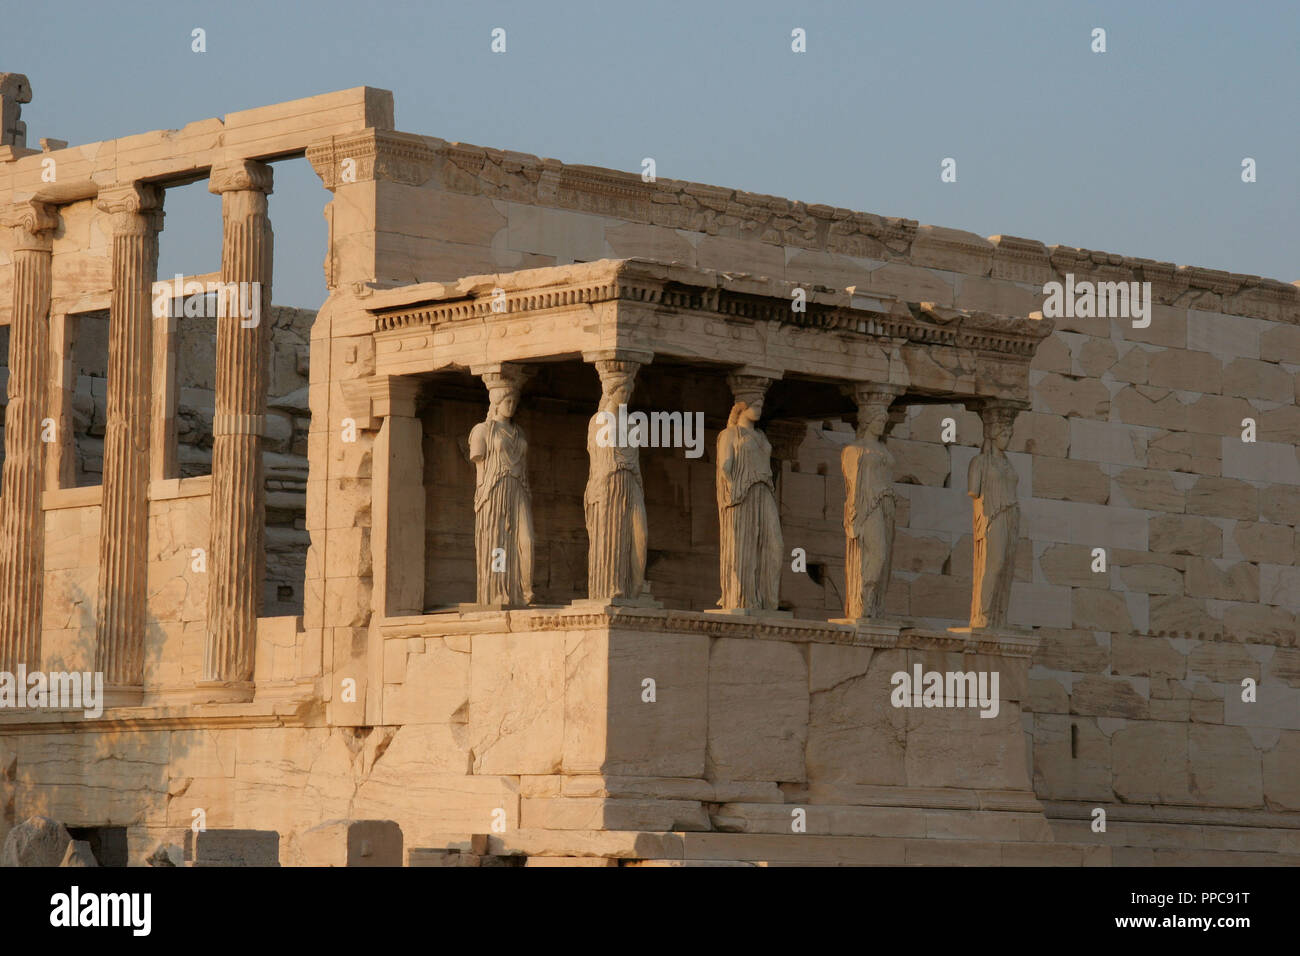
616	390
873	417
746	413
502	402
999	421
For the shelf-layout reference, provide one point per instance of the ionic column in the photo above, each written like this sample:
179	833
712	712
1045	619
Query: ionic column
124	526
22	523
614	500
236	552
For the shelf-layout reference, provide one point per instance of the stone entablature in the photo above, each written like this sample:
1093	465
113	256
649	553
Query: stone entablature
923	348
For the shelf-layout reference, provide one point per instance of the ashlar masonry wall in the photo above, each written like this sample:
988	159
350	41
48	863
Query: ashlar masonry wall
1133	445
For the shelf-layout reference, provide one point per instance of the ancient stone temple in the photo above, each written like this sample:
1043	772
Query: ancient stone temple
628	523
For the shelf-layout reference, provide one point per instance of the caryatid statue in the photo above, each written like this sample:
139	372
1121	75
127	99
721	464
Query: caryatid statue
503	508
869	506
992	482
614	500
751	549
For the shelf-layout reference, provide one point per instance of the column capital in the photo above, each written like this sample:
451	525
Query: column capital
136	208
240	175
749	383
510	375
627	356
991	408
393	395
32	223
871	393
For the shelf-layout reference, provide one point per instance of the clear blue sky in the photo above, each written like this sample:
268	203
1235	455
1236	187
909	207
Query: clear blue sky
1135	151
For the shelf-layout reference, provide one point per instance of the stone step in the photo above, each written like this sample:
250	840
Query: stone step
906	822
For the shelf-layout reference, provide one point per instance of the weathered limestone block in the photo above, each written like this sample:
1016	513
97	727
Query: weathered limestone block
1281	424
1063	773
352	843
1225	335
1093	356
1133	365
1070	480
1097	610
1047	696
1149	763
1072	397
1276	708
433	686
940	597
854	734
1147	405
1149	490
1259	623
920	552
38	841
1237	582
1169	327
1071	565
919	463
1186	452
1037	433
910	283
758	710
666	737
1177	615
1227	663
1110	442
651	242
232	848
1251	379
1224	498
1185	534
1189	371
516	707
1140	656
1065	649
1260	461
1224	766
1108	697
1053	353
1265	544
956	747
1281	773
1152	579
215	796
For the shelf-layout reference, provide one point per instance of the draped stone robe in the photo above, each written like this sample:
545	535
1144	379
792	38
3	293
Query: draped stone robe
503	514
992	483
616	521
749	521
869	507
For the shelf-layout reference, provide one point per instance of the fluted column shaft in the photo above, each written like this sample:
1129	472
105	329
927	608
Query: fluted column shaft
22	522
124	524
237	553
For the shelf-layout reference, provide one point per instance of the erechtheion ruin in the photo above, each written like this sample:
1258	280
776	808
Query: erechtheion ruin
599	519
